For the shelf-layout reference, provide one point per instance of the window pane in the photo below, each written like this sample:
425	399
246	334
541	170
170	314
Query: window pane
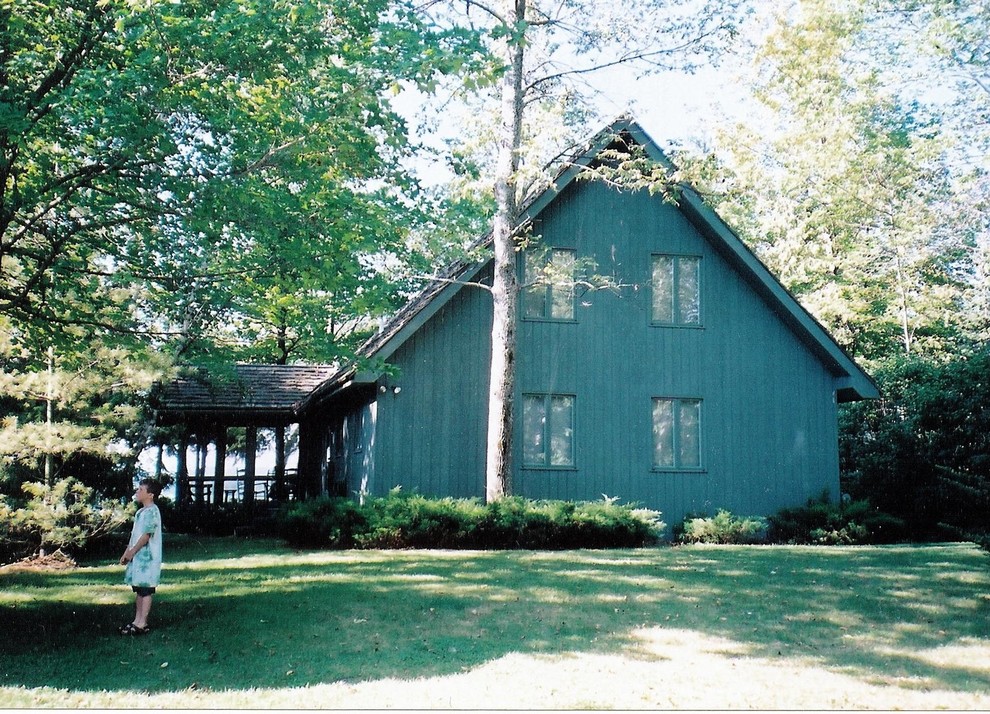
562	296
663	288
688	294
534	421
663	433
561	431
534	297
689	433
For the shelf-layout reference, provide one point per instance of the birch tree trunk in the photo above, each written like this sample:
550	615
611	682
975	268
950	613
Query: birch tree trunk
498	468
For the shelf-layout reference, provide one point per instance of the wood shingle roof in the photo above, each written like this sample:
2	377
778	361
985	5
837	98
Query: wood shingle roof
252	393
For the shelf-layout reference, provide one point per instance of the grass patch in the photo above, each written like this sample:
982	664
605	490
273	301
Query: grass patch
242	623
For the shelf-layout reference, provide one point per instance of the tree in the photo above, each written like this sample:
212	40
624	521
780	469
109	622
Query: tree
170	170
921	451
940	50
847	191
153	151
545	51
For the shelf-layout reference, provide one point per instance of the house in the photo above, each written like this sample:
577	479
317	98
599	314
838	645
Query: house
696	383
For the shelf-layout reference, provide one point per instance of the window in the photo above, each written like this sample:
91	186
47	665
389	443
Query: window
676	434
548	277
676	290
548	430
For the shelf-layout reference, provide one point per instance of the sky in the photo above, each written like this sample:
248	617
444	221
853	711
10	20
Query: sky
675	109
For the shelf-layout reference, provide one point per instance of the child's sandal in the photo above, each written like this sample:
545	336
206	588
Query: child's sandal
131	629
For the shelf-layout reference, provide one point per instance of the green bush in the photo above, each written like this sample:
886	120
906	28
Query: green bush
402	520
920	452
413	521
323	522
724	528
66	515
214	519
823	522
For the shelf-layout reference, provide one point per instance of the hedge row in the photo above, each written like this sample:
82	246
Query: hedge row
818	522
402	520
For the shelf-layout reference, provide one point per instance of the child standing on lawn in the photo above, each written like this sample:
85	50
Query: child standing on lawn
143	556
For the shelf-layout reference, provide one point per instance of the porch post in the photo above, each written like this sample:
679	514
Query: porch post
200	468
182	491
312	459
250	462
280	487
219	470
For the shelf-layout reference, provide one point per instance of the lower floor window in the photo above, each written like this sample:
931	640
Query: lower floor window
548	430
676	433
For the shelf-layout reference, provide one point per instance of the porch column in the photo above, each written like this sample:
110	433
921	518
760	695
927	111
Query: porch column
250	462
281	491
219	469
312	459
182	491
200	468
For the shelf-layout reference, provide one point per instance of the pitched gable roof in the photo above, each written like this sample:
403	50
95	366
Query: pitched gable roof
851	381
253	393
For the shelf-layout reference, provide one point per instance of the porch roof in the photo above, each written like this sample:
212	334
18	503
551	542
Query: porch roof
248	394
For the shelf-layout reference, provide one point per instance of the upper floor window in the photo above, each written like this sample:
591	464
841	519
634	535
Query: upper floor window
548	430
676	433
548	279
676	290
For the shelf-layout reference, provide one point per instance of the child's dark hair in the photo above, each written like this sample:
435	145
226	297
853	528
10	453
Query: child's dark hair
152	485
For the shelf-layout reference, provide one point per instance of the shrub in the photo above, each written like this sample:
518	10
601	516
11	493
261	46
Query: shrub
402	520
323	522
215	519
823	522
724	528
68	514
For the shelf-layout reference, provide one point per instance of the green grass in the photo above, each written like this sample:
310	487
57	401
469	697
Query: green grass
254	624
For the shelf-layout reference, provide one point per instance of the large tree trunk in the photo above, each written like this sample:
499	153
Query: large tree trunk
502	378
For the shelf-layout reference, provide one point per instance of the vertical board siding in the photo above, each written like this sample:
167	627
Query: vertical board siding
431	436
768	430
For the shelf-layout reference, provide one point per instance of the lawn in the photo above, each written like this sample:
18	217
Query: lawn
253	624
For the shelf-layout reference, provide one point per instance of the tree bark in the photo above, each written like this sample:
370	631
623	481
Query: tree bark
498	467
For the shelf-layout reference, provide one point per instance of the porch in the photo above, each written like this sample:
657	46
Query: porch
216	427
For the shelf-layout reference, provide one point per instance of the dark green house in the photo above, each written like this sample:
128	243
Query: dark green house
696	383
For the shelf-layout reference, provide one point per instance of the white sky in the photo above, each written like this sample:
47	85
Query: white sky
675	109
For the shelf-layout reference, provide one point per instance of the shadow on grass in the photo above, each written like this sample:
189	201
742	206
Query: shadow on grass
281	619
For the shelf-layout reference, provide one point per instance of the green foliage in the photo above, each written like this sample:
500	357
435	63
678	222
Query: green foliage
402	520
323	522
210	180
409	520
848	189
922	452
724	527
819	522
211	519
66	515
180	167
823	522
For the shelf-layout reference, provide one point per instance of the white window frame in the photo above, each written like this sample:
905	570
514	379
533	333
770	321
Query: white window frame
556	303
543	440
680	433
682	314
